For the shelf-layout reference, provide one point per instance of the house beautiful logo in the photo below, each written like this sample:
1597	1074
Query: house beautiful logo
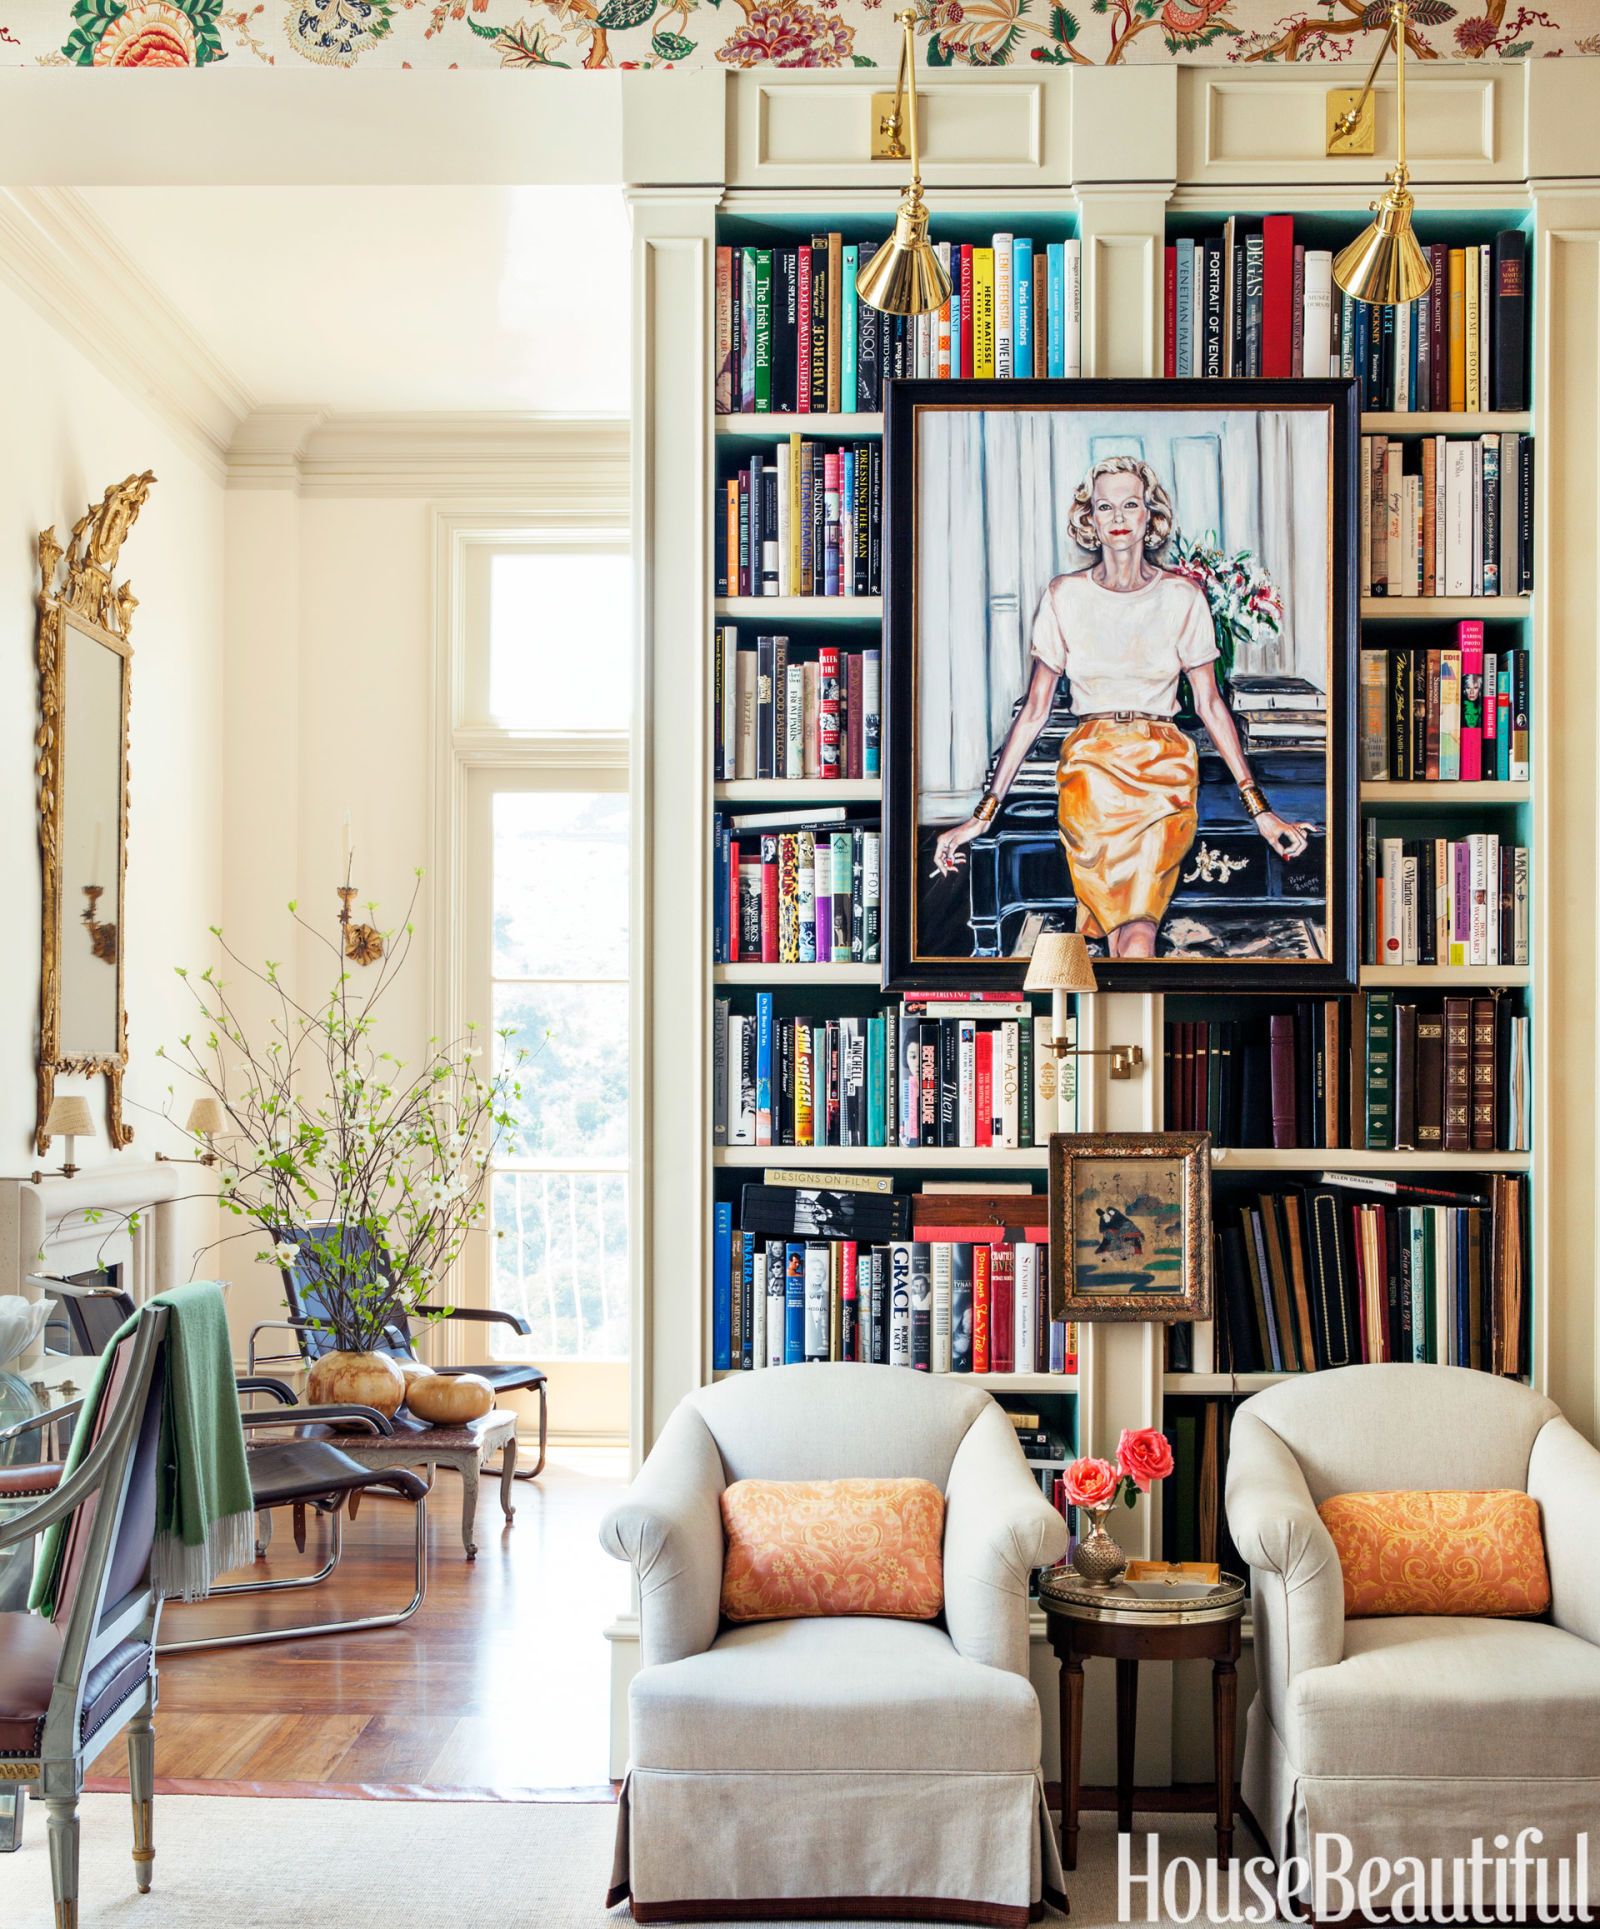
1505	1881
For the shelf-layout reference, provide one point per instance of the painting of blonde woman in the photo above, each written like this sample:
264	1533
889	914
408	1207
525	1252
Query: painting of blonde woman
1120	679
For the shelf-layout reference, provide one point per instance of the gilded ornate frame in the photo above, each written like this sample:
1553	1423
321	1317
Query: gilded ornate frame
1191	1151
91	602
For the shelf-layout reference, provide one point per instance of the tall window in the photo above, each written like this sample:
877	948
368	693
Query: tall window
540	757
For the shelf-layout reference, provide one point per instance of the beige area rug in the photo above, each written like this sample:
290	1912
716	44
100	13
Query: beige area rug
227	1863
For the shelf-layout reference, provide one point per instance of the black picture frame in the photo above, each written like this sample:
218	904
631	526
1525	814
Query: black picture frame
907	964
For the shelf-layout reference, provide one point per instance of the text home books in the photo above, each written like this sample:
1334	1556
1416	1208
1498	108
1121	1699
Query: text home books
1443	901
1456	715
794	713
803	519
1254	301
967	1290
1446	515
1380	1071
925	1073
1320	1276
792	338
797	889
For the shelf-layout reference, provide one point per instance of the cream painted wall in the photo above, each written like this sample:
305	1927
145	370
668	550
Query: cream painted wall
329	687
68	432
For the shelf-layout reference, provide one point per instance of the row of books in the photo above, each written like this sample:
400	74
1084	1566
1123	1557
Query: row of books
1254	301
1372	1071
803	519
780	715
1313	1277
793	338
1444	901
802	1277
920	1073
1194	1519
792	890
1446	715
1446	515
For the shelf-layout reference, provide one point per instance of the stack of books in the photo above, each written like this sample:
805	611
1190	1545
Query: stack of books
1315	1276
971	1070
1446	515
1446	715
1279	712
797	889
792	337
1254	301
776	714
1374	1071
1444	901
803	519
846	1269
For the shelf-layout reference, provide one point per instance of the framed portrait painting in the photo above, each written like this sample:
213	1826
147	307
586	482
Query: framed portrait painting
1121	691
1130	1225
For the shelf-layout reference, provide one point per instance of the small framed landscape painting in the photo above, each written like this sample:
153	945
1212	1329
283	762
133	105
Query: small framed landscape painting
1130	1225
1120	681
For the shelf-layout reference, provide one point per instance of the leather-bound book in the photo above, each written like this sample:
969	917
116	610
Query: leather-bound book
1429	1082
1405	1078
1279	1282
1483	1074
1458	1074
1332	1285
1281	1034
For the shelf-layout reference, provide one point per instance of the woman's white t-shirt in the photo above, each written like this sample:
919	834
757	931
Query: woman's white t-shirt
1124	649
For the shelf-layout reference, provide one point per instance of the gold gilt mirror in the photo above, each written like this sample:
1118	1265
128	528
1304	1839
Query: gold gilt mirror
84	664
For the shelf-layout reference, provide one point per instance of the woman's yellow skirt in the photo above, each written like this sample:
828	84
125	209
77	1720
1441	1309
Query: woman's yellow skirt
1127	816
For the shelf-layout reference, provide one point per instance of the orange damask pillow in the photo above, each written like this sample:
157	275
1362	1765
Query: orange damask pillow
1439	1553
815	1547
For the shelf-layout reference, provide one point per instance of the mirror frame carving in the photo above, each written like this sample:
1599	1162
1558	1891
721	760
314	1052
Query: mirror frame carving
89	597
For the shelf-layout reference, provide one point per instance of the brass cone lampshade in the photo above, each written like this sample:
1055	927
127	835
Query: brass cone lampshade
906	277
1385	263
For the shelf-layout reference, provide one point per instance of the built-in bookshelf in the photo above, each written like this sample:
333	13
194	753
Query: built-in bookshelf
1405	806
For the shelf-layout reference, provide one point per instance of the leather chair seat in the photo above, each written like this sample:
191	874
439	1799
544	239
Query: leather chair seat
30	1483
284	1471
504	1379
30	1652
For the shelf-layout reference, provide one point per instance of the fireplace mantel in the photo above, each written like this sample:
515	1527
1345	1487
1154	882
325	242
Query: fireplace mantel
43	1228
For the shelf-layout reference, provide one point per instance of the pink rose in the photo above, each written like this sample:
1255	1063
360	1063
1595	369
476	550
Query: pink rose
1092	1483
1144	1454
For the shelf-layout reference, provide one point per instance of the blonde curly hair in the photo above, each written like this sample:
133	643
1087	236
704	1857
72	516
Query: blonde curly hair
1163	518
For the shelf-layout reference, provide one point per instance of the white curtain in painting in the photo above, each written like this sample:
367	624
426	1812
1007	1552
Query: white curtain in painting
994	491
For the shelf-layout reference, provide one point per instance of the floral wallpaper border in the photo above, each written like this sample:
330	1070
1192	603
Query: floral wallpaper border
777	33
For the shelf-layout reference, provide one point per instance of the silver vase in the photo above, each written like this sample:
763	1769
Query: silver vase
1097	1559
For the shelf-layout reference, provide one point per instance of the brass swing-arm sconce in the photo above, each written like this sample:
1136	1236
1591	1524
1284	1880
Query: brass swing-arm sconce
1384	264
1061	963
906	277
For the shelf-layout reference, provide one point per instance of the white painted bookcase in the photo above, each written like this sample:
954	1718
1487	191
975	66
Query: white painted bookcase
1120	152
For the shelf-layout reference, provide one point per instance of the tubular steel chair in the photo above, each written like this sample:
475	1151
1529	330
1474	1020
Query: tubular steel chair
307	1321
68	1683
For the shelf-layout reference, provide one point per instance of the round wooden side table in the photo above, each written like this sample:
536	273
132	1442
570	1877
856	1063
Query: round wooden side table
1164	1620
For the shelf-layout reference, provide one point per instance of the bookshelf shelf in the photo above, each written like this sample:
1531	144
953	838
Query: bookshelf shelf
1445	796
802	609
929	1158
1419	609
798	974
790	423
1222	1382
1351	1158
1446	421
1375	977
990	1382
786	790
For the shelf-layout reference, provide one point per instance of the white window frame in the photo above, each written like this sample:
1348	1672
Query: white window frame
583	505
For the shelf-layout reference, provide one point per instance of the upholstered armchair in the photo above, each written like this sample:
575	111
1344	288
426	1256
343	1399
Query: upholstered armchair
1410	1735
853	1766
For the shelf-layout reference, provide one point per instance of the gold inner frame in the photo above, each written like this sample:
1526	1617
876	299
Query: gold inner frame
78	592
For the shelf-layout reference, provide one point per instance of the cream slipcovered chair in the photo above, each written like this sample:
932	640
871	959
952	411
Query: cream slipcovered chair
823	1767
1410	1735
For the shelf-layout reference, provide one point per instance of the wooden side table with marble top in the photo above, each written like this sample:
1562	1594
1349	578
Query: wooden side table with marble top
464	1449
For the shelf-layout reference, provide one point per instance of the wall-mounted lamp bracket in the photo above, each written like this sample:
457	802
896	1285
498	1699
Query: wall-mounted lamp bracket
1352	121
889	128
1123	1058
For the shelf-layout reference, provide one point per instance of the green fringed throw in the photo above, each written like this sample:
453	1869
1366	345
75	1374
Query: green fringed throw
205	1521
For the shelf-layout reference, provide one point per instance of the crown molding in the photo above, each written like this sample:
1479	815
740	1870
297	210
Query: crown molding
62	260
580	464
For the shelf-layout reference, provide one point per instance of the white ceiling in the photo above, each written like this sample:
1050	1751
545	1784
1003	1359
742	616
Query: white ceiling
392	299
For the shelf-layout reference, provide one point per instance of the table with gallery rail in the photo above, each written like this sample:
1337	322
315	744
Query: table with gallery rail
1170	1619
